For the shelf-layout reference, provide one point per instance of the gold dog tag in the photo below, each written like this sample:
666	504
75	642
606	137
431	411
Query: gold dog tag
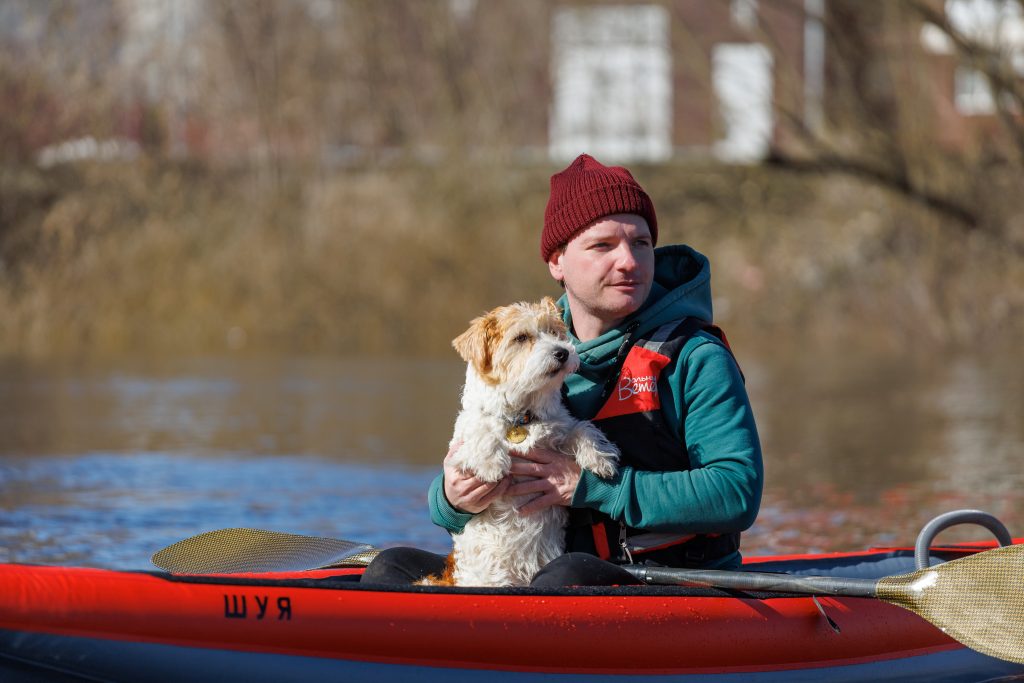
517	434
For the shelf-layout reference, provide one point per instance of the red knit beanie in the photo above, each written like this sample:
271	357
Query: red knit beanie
586	191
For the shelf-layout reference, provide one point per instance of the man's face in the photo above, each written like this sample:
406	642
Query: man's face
608	270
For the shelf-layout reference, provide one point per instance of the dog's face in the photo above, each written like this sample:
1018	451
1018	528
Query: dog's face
523	347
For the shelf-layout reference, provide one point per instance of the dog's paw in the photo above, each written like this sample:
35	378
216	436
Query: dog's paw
492	471
602	463
488	471
593	450
483	456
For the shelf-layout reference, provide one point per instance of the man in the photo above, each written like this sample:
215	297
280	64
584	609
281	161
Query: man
655	376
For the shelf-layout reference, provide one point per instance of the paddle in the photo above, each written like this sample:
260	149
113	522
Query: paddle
237	551
978	600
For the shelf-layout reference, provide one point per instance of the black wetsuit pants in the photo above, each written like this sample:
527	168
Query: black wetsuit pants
404	566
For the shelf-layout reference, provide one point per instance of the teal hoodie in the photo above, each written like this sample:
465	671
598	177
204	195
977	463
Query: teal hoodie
707	406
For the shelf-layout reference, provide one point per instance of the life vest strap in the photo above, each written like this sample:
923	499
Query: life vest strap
601	541
649	542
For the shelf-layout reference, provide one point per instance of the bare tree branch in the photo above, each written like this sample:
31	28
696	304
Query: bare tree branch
992	63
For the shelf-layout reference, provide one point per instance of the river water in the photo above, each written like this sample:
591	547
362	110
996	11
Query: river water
101	464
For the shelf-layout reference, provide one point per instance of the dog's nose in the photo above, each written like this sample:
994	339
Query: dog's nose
561	355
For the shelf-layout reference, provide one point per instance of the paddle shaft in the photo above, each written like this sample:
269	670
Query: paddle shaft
757	581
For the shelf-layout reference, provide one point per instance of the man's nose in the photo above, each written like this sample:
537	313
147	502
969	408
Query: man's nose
625	259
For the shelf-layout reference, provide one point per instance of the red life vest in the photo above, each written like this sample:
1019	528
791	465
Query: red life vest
631	417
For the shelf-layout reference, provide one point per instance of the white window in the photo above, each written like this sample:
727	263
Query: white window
997	24
612	83
462	9
814	64
973	94
744	14
741	75
990	22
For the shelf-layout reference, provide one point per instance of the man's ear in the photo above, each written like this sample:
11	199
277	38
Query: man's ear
475	344
555	264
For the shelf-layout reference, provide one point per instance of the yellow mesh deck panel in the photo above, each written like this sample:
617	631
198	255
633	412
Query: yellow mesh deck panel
234	551
978	600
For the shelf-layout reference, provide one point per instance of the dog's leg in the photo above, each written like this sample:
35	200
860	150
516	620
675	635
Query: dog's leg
483	454
592	450
445	578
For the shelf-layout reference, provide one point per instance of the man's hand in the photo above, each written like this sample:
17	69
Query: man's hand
554	478
466	492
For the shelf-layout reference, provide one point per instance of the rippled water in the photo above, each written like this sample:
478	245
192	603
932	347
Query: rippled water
101	465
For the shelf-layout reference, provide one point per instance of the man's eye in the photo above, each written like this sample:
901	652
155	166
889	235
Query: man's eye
521	338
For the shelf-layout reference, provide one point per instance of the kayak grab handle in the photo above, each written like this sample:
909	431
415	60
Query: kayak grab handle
948	519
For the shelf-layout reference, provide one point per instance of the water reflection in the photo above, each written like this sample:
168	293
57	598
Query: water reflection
864	449
362	410
102	464
115	510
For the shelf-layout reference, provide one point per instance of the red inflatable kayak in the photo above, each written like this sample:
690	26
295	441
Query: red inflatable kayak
59	623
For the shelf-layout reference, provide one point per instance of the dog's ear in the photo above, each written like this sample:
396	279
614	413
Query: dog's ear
475	344
552	306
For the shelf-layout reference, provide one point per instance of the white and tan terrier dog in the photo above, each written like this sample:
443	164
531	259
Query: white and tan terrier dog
517	358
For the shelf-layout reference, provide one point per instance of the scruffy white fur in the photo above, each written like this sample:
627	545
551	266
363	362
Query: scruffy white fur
517	357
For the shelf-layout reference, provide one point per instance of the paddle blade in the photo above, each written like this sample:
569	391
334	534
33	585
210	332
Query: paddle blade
235	551
977	600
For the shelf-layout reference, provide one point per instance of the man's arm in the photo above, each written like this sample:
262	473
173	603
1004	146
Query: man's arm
443	513
722	491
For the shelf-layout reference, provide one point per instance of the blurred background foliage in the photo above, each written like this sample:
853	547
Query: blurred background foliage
363	176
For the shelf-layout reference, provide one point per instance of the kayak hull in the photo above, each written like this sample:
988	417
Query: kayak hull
45	657
117	625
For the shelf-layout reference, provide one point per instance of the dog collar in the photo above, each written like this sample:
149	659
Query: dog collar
517	432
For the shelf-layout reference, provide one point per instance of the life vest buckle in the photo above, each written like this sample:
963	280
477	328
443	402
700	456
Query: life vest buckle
624	544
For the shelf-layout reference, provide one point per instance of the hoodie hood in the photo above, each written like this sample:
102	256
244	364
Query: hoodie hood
682	288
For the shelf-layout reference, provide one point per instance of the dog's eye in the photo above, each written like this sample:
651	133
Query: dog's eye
521	338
